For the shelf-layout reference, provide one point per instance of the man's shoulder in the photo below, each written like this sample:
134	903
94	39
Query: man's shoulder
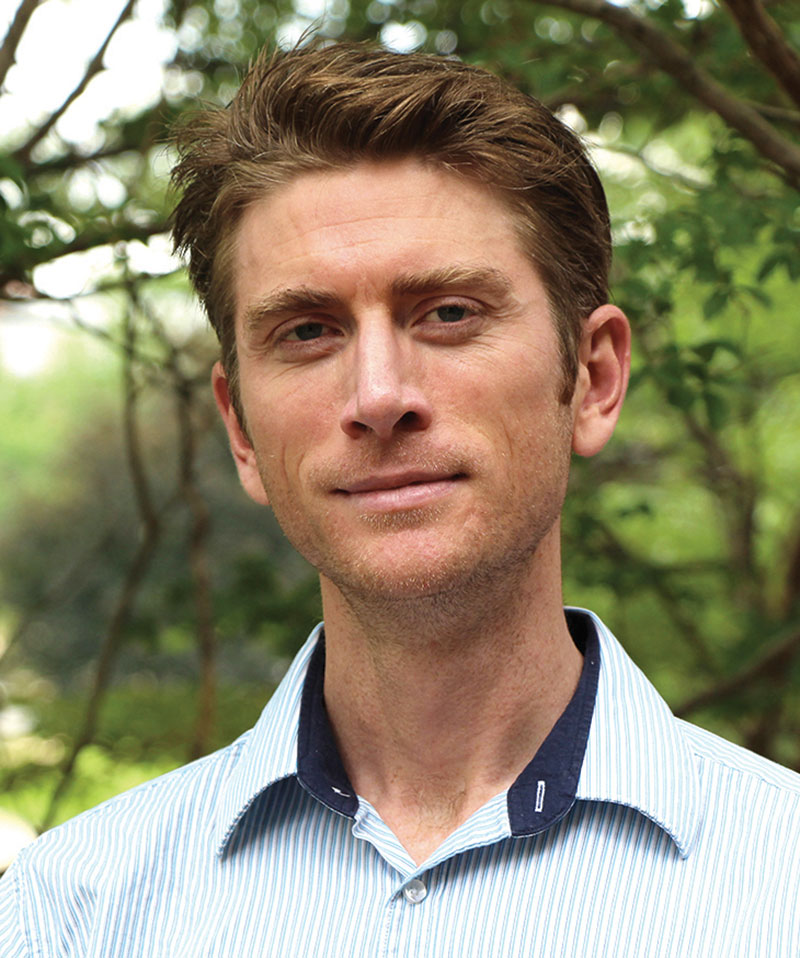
632	702
189	808
703	790
179	801
721	758
116	851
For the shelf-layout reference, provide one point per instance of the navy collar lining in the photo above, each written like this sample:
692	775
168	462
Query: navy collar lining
319	765
542	794
545	790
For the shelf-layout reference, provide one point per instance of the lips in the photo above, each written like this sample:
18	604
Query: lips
397	492
398	480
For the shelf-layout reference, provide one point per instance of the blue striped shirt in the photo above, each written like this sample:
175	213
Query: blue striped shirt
671	842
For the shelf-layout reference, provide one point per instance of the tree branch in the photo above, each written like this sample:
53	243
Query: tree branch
659	581
201	576
8	50
22	154
778	656
737	492
791	597
88	239
56	591
73	160
765	38
680	178
777	113
199	531
151	529
636	31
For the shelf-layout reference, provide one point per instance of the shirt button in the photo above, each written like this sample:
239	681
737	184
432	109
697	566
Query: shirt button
415	891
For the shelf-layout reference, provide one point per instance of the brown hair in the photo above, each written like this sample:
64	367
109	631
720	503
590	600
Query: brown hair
328	107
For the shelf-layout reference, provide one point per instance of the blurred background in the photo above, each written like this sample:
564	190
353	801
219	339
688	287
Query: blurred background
147	608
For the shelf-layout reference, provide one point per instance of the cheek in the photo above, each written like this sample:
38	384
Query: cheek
532	431
507	401
286	420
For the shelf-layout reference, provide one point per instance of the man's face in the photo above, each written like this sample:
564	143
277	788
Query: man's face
399	375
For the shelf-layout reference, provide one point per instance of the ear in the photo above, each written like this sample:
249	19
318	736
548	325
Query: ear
243	453
604	359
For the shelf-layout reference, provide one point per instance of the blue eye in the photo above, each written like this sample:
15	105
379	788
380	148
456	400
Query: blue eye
451	314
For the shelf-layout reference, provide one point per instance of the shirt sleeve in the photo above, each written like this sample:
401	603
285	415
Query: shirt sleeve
13	943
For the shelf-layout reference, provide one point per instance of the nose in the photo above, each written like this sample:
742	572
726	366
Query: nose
385	396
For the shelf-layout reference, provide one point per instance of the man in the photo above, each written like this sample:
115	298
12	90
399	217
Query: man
405	261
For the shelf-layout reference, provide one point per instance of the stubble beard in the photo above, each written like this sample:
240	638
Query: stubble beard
487	574
483	580
479	584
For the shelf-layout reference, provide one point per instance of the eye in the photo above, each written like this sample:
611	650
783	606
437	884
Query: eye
449	313
450	320
306	331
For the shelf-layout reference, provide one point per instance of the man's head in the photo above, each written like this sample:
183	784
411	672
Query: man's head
401	376
333	107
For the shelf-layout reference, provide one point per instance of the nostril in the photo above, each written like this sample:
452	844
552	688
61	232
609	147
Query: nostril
409	420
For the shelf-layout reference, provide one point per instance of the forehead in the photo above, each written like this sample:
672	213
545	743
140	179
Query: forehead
369	224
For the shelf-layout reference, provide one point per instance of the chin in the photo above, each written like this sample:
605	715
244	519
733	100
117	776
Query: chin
414	575
434	578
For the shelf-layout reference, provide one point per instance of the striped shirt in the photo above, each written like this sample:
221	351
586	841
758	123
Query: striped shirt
631	833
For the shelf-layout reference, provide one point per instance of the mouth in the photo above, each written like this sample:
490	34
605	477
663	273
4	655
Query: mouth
385	483
400	490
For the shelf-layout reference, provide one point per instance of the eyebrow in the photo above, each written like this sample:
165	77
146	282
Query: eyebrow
486	279
305	299
300	299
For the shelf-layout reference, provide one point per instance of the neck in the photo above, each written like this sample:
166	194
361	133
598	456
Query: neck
438	703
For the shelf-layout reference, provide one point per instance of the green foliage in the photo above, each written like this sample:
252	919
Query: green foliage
145	727
684	534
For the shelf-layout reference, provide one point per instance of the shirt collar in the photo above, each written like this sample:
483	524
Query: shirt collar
542	794
616	741
319	765
637	754
545	790
268	752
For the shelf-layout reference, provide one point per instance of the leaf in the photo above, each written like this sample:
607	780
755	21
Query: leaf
11	169
641	508
681	396
770	264
759	295
717	409
707	350
716	302
698	370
